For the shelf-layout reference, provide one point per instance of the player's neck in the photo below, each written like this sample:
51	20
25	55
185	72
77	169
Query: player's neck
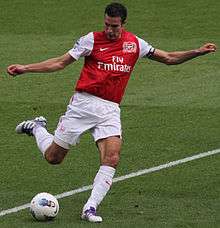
118	38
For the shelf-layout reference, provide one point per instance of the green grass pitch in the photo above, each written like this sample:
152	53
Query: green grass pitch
168	113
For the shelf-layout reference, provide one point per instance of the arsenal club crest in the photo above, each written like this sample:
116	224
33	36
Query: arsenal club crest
129	47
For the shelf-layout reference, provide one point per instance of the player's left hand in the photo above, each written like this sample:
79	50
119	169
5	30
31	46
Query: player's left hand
207	48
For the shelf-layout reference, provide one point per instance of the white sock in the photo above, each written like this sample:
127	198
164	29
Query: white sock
43	138
101	186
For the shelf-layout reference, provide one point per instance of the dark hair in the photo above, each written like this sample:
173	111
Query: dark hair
116	10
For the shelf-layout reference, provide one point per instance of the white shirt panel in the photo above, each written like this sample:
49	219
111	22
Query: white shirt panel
83	46
145	48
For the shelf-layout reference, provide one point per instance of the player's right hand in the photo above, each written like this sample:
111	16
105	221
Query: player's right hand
16	69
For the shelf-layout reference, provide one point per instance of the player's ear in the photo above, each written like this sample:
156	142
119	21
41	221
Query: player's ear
124	22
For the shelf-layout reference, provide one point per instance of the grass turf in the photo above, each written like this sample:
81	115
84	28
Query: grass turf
168	113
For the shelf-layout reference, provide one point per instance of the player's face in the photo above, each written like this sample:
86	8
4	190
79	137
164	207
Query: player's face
113	27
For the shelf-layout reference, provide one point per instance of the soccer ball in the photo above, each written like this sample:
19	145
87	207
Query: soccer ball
44	207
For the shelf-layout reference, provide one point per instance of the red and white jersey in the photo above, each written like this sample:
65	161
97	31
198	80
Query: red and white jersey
108	64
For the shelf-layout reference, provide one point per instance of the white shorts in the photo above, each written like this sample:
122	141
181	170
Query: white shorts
87	112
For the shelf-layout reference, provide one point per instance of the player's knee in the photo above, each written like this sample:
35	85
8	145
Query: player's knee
53	158
55	154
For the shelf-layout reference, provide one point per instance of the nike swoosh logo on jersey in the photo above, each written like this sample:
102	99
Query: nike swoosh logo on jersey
103	49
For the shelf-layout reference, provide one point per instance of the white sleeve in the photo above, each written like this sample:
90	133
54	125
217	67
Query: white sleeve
146	50
83	46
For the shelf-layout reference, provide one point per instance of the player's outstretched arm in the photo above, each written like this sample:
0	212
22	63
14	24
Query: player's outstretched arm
178	57
49	65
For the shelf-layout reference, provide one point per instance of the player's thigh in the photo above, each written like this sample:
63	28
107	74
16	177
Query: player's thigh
78	118
110	149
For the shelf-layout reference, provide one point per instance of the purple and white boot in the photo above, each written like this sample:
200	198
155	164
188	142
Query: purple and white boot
90	215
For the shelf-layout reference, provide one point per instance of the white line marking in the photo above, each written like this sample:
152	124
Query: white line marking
117	179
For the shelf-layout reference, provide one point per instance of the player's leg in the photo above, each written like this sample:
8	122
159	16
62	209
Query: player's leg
69	129
109	149
107	135
52	152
